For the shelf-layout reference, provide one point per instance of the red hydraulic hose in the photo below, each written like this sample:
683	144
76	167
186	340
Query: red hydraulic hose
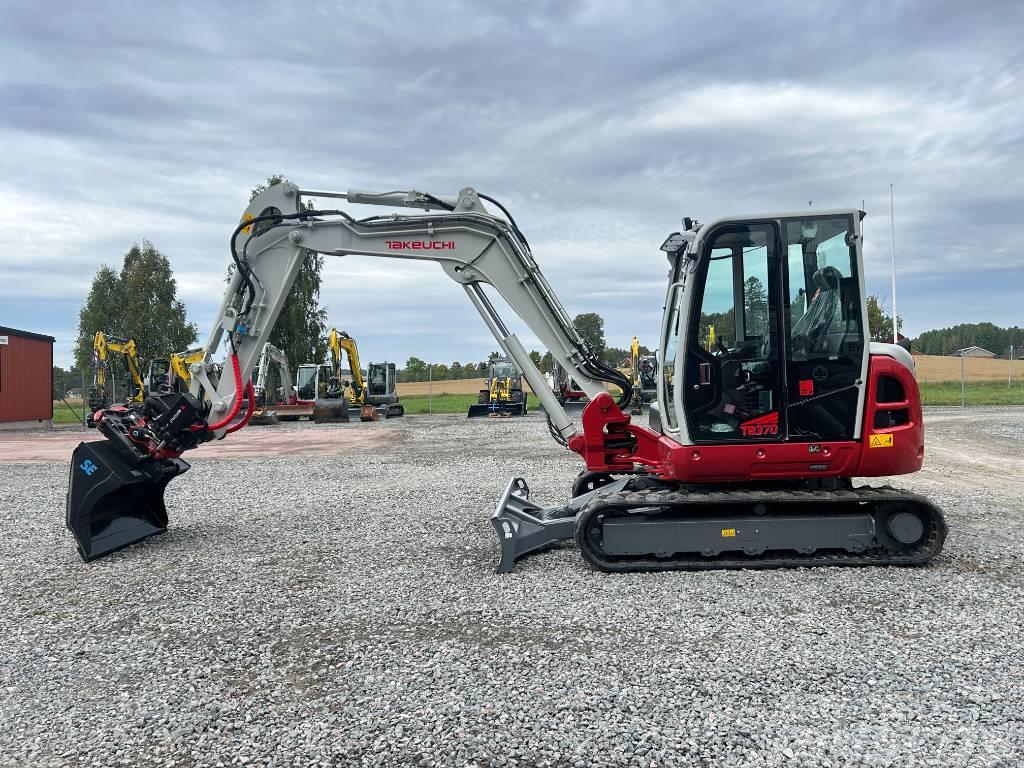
238	400
250	392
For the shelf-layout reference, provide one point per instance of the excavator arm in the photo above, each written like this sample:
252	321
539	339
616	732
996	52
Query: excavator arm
102	348
472	246
338	341
277	233
131	358
272	354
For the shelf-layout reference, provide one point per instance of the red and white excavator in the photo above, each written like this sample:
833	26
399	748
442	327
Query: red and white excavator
753	442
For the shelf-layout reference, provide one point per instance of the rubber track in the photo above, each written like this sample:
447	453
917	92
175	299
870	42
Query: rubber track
618	504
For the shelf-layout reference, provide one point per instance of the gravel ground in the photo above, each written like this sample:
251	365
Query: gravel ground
343	610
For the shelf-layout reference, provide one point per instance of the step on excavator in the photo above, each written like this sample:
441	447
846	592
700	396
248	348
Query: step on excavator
103	347
752	446
503	395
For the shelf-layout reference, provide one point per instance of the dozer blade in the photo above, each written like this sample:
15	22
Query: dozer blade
333	411
112	501
525	527
496	410
572	408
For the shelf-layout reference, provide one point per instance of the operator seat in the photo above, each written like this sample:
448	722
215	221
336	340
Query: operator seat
822	312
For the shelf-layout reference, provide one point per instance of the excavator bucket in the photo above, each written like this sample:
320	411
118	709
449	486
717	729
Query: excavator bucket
370	413
263	419
112	501
331	411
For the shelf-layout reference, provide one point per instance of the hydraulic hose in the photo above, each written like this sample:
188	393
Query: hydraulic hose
237	368
250	393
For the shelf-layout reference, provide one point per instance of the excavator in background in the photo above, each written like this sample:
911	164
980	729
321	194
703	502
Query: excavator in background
503	396
172	374
102	347
644	369
568	393
752	445
266	404
376	396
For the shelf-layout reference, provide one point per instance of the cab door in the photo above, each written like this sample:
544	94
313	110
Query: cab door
825	346
732	376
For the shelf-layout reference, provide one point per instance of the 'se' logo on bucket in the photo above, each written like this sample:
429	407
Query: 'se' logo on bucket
88	467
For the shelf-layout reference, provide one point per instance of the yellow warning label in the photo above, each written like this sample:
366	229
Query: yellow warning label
880	441
728	533
247	217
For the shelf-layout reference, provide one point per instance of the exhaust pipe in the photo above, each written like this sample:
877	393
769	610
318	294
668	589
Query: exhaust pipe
115	499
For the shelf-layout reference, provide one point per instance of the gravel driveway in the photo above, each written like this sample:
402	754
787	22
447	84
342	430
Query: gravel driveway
342	609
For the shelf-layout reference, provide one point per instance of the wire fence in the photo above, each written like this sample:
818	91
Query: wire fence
943	381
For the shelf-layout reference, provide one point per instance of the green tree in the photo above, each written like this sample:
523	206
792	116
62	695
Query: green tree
536	357
100	312
945	341
591	327
879	321
755	306
301	328
415	370
139	302
615	355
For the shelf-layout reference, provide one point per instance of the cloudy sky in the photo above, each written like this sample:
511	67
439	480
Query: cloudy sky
599	125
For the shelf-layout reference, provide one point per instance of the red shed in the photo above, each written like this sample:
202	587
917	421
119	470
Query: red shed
26	379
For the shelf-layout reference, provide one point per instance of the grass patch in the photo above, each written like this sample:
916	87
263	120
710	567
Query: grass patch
975	393
442	403
932	393
62	414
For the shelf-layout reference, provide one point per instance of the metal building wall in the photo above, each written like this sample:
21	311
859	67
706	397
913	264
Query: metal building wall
26	375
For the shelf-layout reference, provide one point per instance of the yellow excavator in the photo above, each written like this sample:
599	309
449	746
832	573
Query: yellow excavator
375	396
172	374
644	370
102	348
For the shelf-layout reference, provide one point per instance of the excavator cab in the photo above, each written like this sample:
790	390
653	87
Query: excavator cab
381	395
159	375
774	342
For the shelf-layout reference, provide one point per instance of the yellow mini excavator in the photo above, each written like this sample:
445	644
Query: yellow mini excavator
644	370
102	348
375	396
172	374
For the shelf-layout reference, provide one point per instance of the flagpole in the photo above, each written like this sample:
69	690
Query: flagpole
892	225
